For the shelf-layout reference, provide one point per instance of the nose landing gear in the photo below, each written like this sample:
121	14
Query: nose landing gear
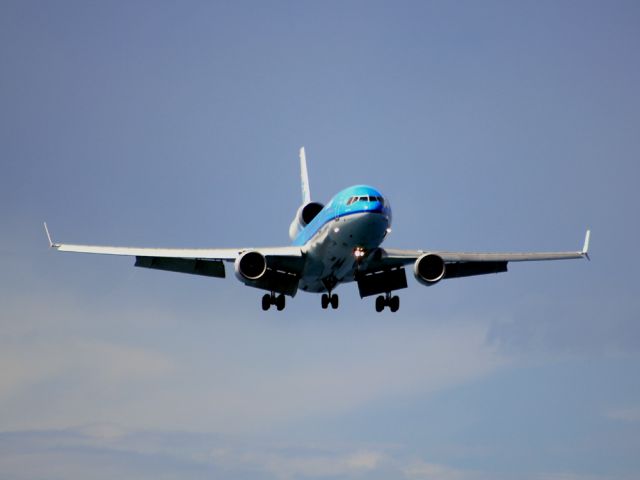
393	302
273	299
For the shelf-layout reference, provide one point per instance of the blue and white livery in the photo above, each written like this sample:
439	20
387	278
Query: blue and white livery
336	243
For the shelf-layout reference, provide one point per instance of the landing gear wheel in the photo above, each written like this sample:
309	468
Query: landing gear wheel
266	302
280	302
324	301
330	299
334	301
380	303
387	301
271	299
394	303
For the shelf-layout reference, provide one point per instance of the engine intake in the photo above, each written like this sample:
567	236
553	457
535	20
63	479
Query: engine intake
250	266
429	269
305	214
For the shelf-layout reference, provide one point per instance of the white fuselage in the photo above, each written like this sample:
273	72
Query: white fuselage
330	255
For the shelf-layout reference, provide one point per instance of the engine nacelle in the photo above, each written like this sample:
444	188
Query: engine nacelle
429	269
303	217
250	266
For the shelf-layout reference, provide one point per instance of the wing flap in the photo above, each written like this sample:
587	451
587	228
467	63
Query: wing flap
468	269
207	268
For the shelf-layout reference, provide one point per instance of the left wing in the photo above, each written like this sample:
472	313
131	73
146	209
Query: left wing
463	264
198	261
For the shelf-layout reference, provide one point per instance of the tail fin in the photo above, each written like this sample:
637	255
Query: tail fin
304	176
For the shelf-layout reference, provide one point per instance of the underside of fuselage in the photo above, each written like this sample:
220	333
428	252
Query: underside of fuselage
336	243
334	252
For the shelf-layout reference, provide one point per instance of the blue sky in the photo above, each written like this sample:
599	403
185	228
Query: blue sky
489	126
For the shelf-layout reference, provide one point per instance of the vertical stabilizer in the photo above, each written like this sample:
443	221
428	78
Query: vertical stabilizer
304	177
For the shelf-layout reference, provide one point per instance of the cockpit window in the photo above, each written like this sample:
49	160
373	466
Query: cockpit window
365	198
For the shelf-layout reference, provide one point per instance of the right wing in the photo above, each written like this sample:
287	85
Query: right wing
198	261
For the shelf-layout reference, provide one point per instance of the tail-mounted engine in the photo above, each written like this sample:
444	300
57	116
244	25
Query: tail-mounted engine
429	269
304	215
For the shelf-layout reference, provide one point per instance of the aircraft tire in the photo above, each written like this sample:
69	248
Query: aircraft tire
394	303
334	301
280	302
380	303
266	302
325	301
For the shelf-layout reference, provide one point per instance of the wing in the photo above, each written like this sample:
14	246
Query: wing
198	261
464	264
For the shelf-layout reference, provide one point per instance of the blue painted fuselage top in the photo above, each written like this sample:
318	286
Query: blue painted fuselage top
357	201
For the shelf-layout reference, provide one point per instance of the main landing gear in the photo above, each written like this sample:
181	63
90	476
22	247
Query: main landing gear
329	299
273	299
393	302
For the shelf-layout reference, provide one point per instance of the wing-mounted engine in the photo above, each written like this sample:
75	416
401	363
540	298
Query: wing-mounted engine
250	266
429	269
274	274
305	214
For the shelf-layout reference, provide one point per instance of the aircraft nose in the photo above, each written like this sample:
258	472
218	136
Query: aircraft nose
377	206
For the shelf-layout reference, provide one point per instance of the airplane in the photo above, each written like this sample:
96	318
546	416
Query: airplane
336	243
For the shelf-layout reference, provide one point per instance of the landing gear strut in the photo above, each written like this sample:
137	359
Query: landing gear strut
329	299
273	299
393	302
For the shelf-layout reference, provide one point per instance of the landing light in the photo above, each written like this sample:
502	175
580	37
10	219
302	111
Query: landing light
358	252
388	230
336	230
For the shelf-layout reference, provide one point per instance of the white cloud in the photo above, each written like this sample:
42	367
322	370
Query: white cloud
283	465
175	455
102	431
70	361
430	471
146	368
105	451
574	476
364	460
629	414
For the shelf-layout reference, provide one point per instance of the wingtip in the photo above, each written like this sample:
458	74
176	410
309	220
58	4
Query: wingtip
585	247
46	229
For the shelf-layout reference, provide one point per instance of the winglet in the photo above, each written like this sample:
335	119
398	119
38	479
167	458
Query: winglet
51	244
304	176
585	248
